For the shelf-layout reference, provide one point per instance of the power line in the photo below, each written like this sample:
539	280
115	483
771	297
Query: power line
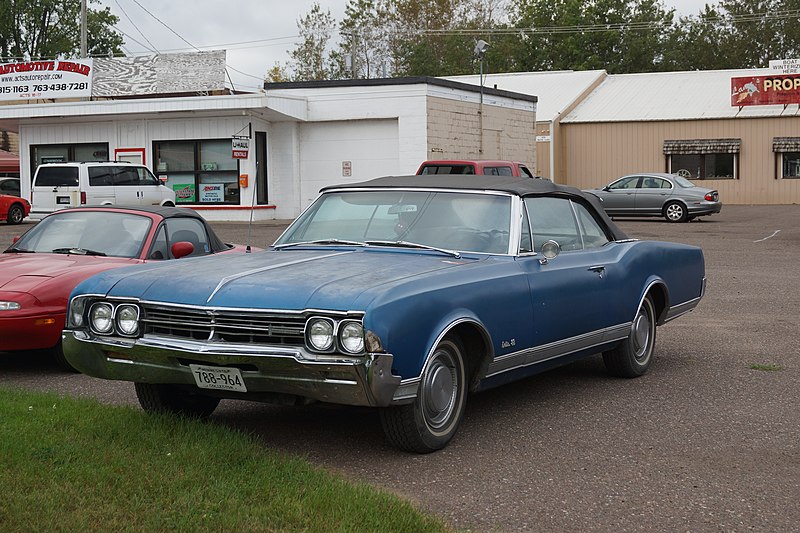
152	46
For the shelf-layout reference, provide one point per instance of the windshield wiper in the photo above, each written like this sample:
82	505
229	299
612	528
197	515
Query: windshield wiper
319	241
18	251
77	251
406	244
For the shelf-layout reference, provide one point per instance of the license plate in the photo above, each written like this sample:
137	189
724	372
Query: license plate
218	377
62	200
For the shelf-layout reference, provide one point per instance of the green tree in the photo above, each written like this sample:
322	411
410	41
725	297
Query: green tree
311	58
33	29
616	35
699	43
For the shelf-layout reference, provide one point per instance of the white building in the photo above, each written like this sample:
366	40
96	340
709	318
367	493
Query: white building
303	136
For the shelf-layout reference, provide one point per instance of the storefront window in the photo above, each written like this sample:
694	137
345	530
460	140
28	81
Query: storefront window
703	166
200	172
791	165
61	153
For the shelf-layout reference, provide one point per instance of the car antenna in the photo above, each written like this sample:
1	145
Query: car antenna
247	249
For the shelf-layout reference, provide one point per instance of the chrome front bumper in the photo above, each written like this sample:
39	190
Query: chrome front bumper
366	380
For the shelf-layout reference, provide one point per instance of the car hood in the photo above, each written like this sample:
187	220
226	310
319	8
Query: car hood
22	272
336	279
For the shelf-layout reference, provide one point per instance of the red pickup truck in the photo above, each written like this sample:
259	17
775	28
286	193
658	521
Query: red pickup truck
488	168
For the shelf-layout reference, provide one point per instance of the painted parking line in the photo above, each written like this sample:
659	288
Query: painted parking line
771	236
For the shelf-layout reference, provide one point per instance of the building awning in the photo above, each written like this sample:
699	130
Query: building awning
786	144
9	163
702	146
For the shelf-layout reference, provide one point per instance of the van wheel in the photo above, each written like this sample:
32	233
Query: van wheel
15	214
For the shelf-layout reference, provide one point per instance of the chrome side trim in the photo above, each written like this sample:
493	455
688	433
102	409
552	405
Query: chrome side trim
681	309
407	390
546	352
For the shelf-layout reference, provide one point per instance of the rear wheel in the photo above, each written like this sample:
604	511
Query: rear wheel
675	212
632	357
159	398
15	214
431	421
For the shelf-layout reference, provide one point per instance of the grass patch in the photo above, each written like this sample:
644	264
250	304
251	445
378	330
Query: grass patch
72	464
765	367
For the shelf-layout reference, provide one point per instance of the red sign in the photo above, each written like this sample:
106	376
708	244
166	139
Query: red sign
240	147
765	90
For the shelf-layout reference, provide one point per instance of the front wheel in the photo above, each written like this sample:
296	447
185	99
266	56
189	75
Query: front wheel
57	352
428	424
158	398
632	357
675	212
15	214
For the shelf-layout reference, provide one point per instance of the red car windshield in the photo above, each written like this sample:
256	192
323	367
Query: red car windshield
87	232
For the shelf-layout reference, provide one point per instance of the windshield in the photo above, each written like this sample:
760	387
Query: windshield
683	182
88	233
448	220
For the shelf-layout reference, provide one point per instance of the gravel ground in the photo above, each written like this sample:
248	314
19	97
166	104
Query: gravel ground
701	443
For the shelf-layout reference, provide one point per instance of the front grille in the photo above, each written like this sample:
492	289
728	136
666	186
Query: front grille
223	326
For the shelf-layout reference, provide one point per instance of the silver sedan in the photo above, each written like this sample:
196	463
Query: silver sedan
657	195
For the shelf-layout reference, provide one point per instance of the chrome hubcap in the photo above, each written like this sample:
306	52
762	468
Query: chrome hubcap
440	390
674	212
641	334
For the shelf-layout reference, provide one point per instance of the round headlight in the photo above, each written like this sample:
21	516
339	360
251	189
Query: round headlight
101	317
320	334
128	319
351	337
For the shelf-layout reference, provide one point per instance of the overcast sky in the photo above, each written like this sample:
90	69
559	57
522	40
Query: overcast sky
256	33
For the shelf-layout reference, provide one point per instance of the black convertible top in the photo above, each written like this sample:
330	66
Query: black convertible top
214	242
509	184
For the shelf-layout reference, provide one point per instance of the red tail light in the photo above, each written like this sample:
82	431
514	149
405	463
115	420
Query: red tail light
711	196
83	197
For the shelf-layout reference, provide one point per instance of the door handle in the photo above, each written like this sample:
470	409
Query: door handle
598	269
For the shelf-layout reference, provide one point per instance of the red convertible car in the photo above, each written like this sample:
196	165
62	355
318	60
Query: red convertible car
38	272
13	208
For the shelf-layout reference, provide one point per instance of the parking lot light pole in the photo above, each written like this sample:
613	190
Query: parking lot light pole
480	50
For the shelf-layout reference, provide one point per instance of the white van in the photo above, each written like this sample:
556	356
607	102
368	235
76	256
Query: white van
59	185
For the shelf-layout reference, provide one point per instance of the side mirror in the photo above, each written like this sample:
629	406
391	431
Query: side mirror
182	249
15	239
550	251
163	179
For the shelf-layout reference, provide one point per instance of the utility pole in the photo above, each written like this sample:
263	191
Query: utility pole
84	51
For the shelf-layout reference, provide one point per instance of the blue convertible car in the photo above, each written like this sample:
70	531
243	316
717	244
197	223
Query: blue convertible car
402	293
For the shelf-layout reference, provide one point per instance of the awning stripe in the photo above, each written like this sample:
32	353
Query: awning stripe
702	146
786	144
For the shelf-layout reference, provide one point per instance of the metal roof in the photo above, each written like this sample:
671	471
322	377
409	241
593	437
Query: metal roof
556	90
690	95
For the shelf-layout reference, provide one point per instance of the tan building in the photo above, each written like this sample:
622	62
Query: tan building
605	126
558	93
683	122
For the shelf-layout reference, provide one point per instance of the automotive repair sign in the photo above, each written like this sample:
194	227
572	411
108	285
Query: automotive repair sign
46	79
766	90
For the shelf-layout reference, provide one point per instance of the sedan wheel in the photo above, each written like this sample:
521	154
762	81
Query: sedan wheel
675	212
432	420
15	214
157	398
632	357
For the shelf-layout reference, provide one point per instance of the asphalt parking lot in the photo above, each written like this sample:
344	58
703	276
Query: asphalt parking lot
708	440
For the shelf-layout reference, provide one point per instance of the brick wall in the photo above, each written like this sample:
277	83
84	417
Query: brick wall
454	131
